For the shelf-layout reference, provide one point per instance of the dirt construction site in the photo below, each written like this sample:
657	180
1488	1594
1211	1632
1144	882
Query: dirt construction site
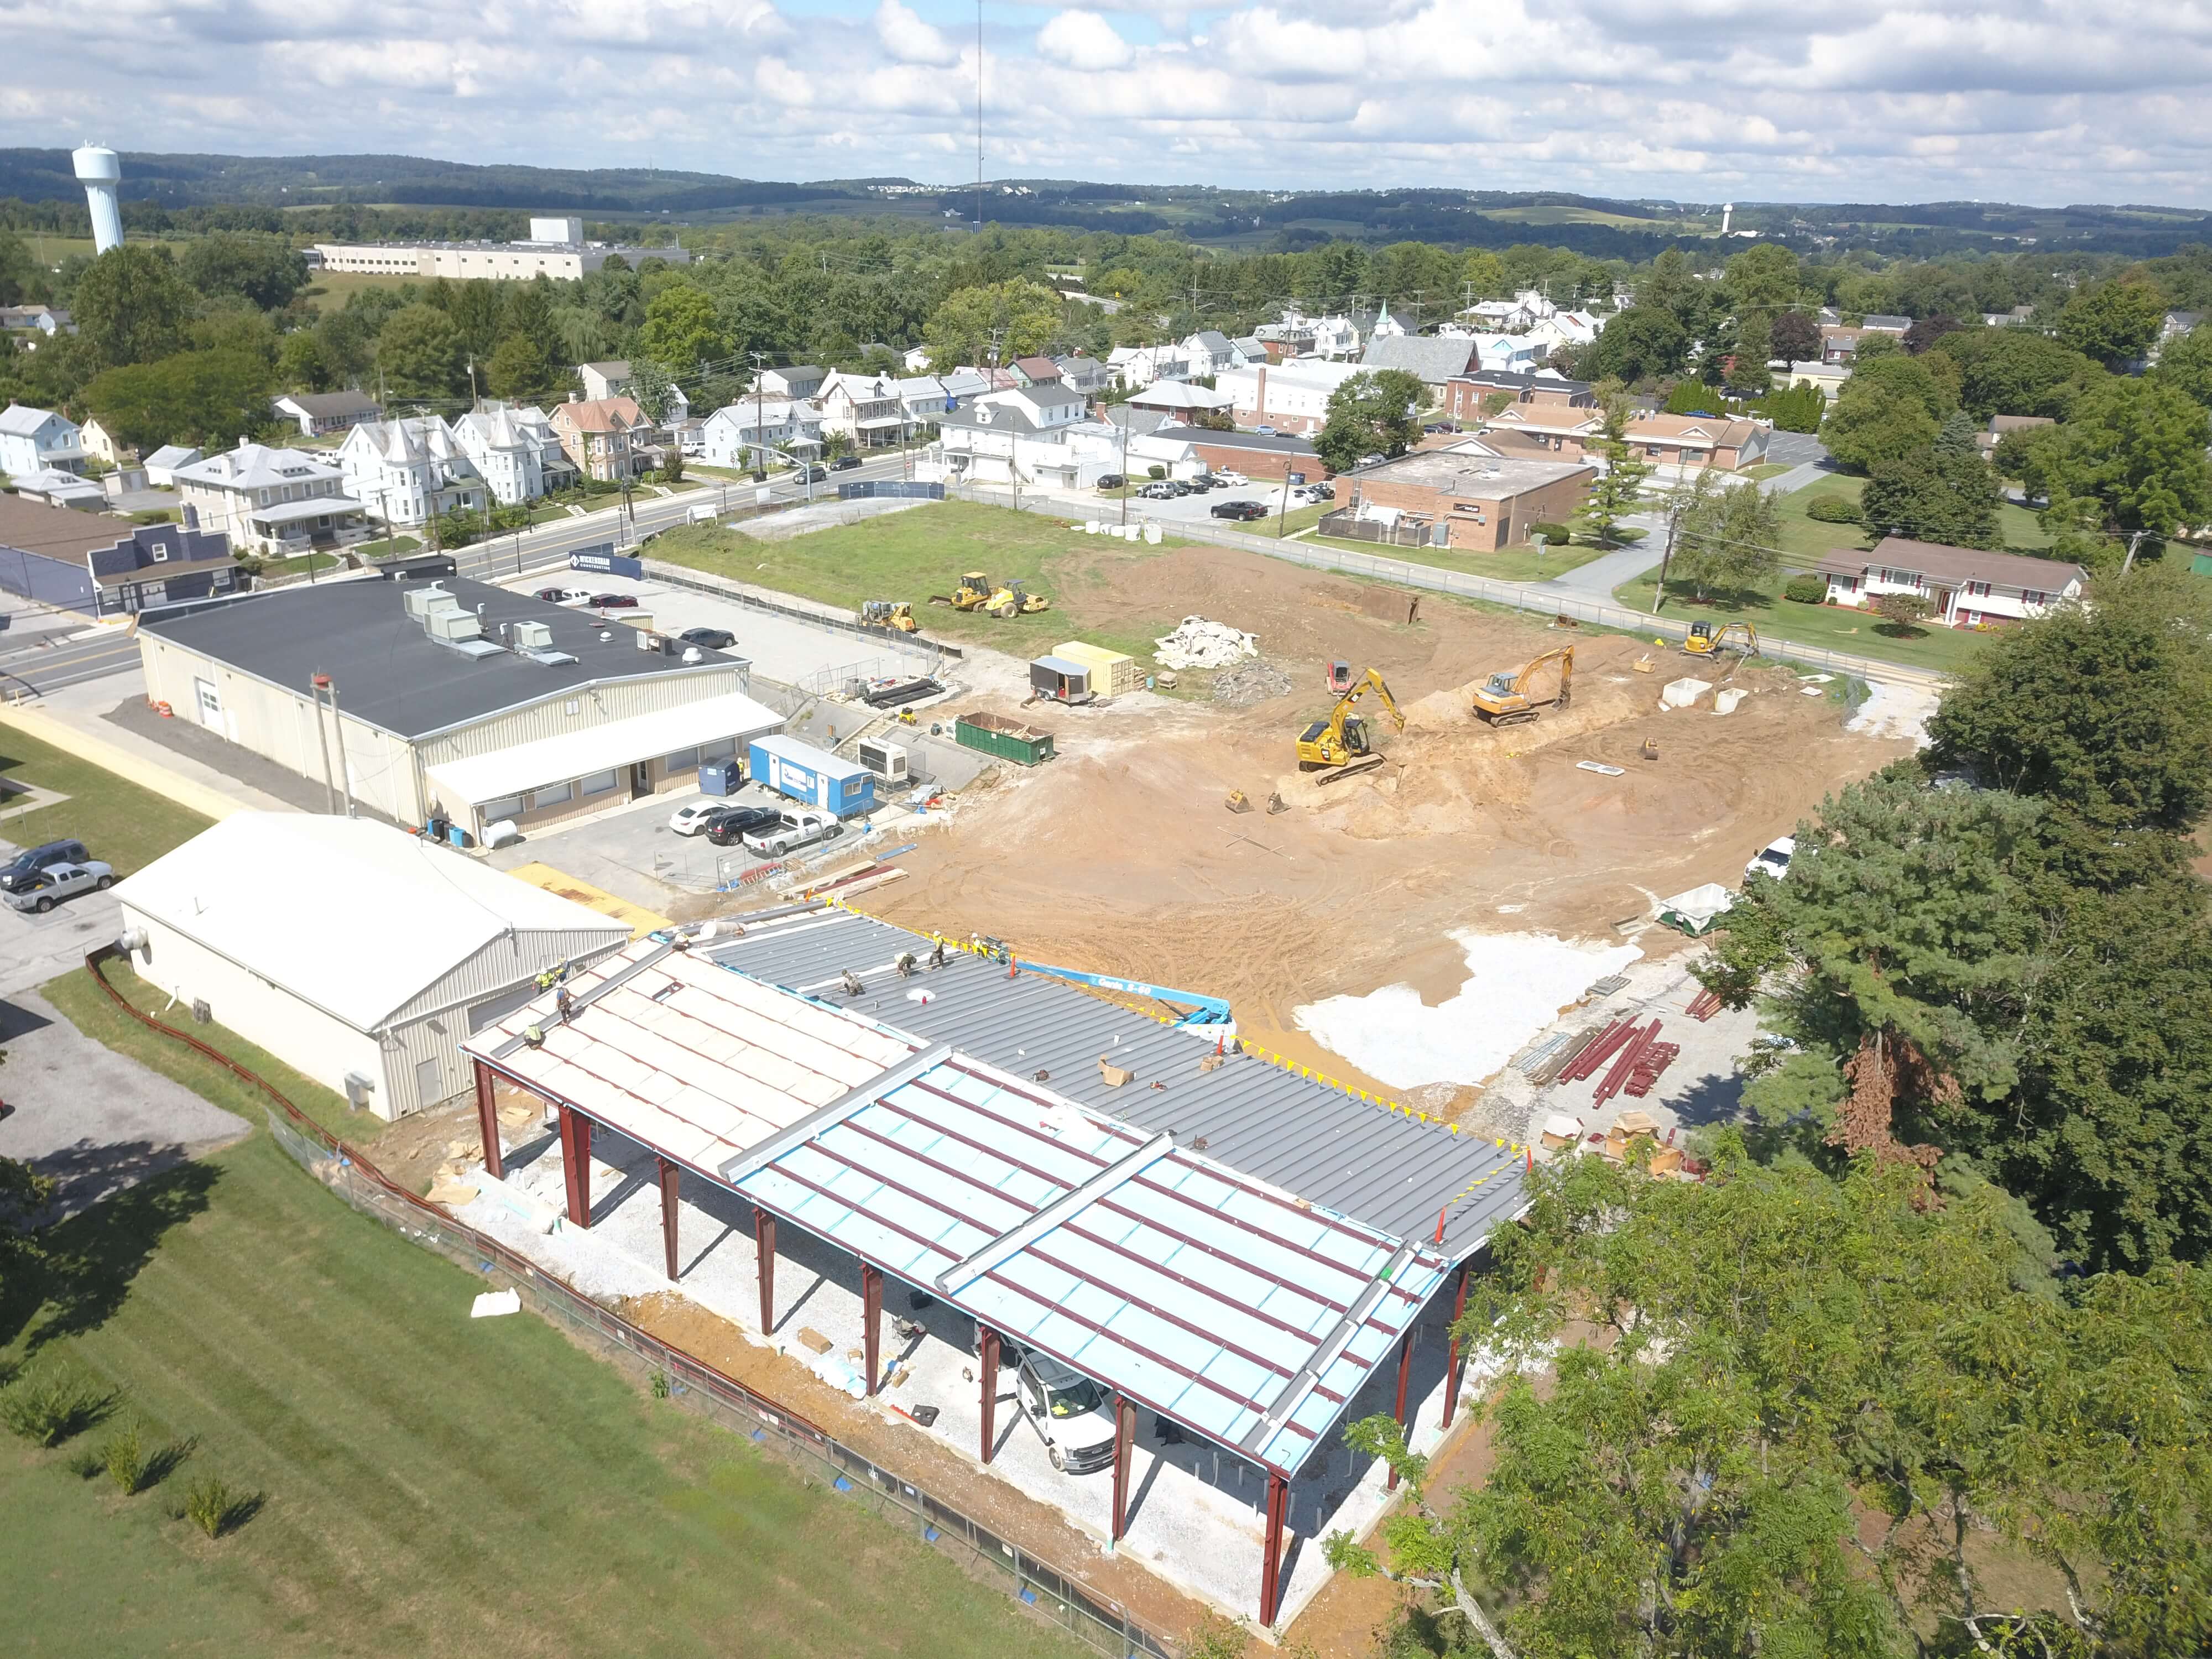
1120	856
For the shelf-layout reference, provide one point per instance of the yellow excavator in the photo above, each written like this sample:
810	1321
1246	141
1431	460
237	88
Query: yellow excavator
975	590
1338	744
1011	601
1503	699
1708	639
888	613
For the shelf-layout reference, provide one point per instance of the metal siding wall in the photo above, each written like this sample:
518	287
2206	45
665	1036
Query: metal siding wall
598	707
437	1038
503	964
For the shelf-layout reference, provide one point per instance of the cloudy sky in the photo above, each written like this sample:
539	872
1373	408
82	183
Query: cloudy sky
2025	100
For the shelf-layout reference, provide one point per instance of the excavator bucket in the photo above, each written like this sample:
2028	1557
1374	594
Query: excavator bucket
1236	802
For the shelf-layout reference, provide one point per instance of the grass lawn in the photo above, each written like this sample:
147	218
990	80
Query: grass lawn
329	290
122	824
1764	470
1512	564
1836	627
388	547
298	564
1806	541
430	1483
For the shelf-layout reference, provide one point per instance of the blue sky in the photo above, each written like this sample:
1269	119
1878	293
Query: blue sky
1703	100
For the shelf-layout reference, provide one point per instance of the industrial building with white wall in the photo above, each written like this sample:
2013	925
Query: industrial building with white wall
453	699
361	955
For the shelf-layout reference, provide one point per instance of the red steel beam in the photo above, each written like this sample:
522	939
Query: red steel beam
1451	1355
1125	1434
1404	1370
1271	1562
671	1190
764	1247
576	1164
488	1123
872	1320
989	1367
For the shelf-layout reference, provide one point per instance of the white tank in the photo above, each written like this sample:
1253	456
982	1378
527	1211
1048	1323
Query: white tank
100	172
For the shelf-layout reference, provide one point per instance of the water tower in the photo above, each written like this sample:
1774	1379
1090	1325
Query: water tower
1727	211
99	170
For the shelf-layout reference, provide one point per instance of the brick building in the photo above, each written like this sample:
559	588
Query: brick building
1473	502
1471	397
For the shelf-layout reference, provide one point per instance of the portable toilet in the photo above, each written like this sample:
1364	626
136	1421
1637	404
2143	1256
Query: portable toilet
1061	678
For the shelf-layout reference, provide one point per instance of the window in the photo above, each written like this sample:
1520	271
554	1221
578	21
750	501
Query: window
720	748
683	760
2034	596
160	551
552	795
598	784
494	810
1977	590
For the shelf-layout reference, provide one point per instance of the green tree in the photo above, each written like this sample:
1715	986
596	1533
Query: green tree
254	268
1800	408
651	389
2131	459
1889	409
1726	535
2186	365
1376	411
131	307
419	354
1796	338
301	365
2016	371
2113	322
520	368
1024	317
211	398
1640	343
682	329
1947	494
1671	286
18	270
1617	491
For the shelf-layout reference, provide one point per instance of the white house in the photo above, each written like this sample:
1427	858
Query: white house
1292	397
866	410
798	380
1964	587
514	451
101	444
270	500
917	360
1565	329
1385	328
612	378
318	414
39	440
1138	367
735	434
1827	378
1515	316
1180	398
161	465
1209	351
410	470
1028	434
42	320
924	398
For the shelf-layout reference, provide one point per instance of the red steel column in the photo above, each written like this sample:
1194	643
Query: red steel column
488	1123
672	1189
872	1316
577	1159
764	1247
1125	1435
1271	1566
1404	1367
1451	1354
989	1351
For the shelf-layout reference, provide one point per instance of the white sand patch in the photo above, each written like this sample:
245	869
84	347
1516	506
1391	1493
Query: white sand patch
1895	711
1516	985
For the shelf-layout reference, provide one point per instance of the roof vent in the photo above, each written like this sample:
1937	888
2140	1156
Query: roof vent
549	659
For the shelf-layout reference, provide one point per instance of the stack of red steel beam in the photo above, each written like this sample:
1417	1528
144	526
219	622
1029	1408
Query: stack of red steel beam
1585	1064
1625	1056
1703	1005
1656	1058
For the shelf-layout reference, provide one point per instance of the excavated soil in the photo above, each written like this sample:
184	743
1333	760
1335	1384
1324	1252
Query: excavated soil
1120	856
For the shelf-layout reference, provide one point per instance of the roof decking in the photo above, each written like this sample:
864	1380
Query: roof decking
1389	1169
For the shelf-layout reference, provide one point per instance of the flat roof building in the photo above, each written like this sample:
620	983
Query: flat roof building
1461	498
454	699
507	261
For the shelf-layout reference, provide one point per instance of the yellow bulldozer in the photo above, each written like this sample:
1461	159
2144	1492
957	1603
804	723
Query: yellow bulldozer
888	613
1712	639
1504	699
1338	744
1013	600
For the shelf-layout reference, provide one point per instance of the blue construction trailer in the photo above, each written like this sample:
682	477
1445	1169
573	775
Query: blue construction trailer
814	775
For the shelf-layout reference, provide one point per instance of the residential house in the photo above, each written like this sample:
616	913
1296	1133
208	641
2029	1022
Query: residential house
917	360
43	321
1298	334
161	465
1483	392
1034	371
1246	350
1990	436
1879	323
102	445
319	414
739	434
925	400
1289	397
410	470
1378	324
1434	360
1828	378
798	380
866	410
1469	502
1514	353
1839	345
1575	431
1180	399
273	502
85	562
39	440
1565	331
1515	316
2171	328
1089	375
1031	435
612	380
52	487
962	384
2018	317
515	451
1138	367
1964	587
1210	352
609	437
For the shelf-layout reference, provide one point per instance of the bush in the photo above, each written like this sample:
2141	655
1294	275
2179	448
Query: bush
1806	590
216	1507
46	1410
124	1457
1155	472
1554	535
1833	509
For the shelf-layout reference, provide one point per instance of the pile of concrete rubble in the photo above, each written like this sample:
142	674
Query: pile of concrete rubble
1198	643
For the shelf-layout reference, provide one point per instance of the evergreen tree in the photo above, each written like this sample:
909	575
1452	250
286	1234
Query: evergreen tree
1947	494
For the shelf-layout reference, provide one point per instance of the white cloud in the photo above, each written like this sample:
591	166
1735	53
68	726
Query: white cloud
1083	40
1882	99
908	39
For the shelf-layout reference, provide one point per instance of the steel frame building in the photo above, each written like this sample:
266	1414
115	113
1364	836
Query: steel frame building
1227	1243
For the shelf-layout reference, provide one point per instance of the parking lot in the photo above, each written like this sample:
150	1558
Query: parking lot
634	855
1193	508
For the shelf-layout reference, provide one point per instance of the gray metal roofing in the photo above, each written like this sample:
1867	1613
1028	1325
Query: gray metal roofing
393	674
1390	1171
1434	359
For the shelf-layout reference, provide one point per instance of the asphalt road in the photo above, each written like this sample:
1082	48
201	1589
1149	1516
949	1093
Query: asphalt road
49	659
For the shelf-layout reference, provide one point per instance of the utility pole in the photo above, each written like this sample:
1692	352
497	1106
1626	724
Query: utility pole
1125	466
2134	541
760	409
473	399
1673	518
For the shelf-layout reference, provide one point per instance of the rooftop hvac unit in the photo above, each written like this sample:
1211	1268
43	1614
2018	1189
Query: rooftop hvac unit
453	625
532	637
886	760
423	600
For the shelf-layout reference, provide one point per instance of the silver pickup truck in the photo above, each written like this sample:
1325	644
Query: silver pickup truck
792	830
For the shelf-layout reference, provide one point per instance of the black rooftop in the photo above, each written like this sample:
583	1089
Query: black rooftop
388	670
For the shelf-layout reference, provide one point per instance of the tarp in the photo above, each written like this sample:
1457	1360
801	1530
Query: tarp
1697	910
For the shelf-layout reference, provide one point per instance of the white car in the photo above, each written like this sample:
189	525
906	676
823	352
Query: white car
794	829
1773	859
1233	478
690	818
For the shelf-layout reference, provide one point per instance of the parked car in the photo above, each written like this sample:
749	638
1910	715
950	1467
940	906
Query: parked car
692	818
1322	492
1265	431
711	639
1069	1412
565	595
811	475
1773	859
1233	478
1160	491
732	825
26	865
1246	511
844	463
50	884
791	831
614	601
1372	461
1111	480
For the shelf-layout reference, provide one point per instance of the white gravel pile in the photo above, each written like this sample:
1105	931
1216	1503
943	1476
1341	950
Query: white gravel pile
1198	643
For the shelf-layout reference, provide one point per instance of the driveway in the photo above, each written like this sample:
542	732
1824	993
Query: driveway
95	1120
34	948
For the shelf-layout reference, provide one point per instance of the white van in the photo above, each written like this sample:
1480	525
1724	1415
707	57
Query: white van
1773	859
